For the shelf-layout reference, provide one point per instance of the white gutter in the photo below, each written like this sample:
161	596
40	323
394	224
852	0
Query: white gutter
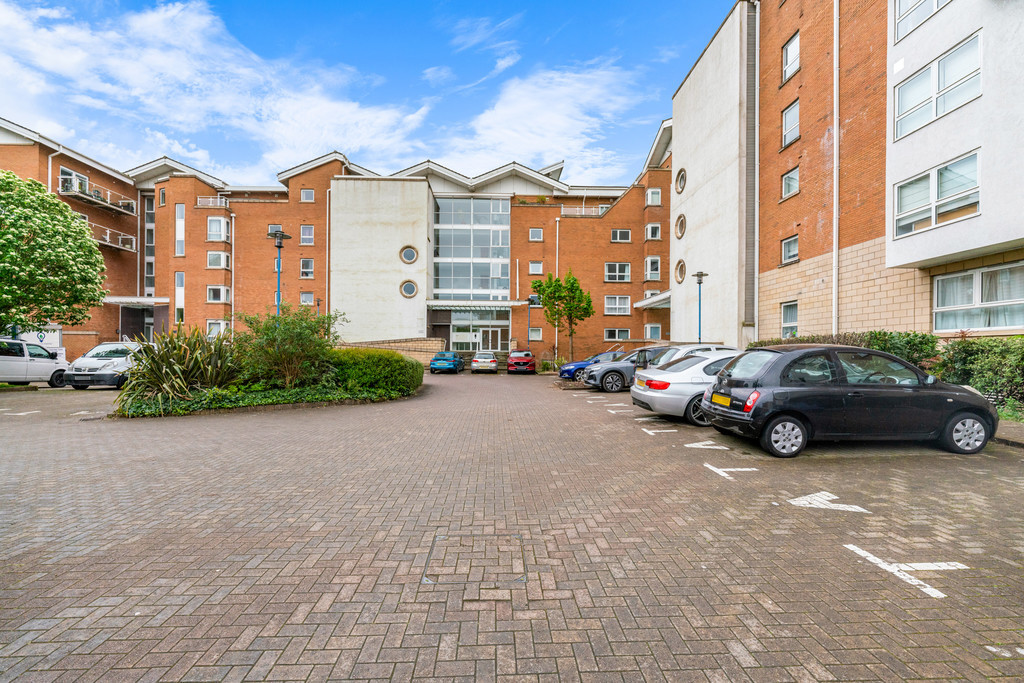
757	177
140	238
835	166
557	221
49	168
327	289
231	325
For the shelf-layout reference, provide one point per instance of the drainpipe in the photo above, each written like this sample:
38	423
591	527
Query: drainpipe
835	166
49	168
557	220
517	279
233	264
327	289
757	174
140	238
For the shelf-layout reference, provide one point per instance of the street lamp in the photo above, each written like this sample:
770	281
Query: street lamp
279	237
700	275
318	300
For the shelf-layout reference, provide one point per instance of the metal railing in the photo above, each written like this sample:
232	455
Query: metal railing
112	238
583	210
212	202
97	195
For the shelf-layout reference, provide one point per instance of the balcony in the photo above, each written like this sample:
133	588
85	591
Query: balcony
108	237
211	202
96	195
583	210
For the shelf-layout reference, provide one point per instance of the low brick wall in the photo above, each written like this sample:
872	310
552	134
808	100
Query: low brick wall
422	349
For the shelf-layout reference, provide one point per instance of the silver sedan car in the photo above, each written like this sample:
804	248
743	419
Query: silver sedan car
677	387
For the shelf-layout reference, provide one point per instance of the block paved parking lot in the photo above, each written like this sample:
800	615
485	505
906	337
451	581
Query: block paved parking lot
493	527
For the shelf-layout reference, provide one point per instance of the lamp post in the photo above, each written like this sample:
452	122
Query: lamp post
700	275
318	300
279	237
532	300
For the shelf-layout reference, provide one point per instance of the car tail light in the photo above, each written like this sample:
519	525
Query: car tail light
707	393
657	384
751	400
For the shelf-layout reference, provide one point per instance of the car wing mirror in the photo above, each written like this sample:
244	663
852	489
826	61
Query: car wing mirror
930	379
53	355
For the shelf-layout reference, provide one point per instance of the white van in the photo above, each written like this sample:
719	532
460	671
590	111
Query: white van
23	362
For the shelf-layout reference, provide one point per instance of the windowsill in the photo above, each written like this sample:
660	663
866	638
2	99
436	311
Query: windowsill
617	282
789	196
789	262
933	227
217	268
223	239
178	256
652	206
307	201
653	239
787	80
306	277
790	143
535	240
651	279
622	242
617	314
310	244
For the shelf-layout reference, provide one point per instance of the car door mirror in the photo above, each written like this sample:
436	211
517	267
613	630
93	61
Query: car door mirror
53	355
930	379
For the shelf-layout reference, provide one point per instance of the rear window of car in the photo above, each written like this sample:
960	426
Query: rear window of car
682	363
485	356
444	356
750	364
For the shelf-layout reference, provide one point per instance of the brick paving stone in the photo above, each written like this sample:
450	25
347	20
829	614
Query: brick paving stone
291	545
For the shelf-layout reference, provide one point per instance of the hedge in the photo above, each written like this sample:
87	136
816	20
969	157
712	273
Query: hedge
376	369
916	347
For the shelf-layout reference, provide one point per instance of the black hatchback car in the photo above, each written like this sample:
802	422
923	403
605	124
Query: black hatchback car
787	395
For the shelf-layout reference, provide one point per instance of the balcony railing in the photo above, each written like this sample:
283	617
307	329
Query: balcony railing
90	193
108	237
212	202
583	210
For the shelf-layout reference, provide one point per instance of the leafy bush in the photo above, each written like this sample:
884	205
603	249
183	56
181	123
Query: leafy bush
992	365
287	350
1012	410
176	364
916	347
845	338
375	370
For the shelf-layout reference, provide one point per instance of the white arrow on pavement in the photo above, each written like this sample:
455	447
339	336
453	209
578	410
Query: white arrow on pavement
899	572
652	432
821	500
708	444
724	471
629	410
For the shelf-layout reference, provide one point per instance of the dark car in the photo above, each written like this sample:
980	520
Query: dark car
575	370
521	361
787	395
446	361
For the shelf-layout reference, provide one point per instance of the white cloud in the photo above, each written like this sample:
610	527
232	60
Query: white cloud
438	75
473	32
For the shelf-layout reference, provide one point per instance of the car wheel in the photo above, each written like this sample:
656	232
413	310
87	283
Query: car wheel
695	414
784	436
56	379
965	433
578	375
120	381
75	386
431	371
612	382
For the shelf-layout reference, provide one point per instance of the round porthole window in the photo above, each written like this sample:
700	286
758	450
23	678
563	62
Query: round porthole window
680	180
680	271
409	289
408	254
680	226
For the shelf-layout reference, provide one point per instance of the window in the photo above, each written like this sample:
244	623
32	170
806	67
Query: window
791	249
163	196
939	196
216	327
652	268
150	276
939	88
179	315
536	234
306	268
217	295
179	279
616	334
277	265
536	267
179	229
653	231
648	293
306	298
601	208
680	271
306	195
911	13
535	334
305	234
791	57
620	235
654	197
864	367
218	259
989	298
813	369
408	254
71	181
216	229
791	183
273	227
680	226
616	305
789	313
652	331
616	272
680	180
791	123
409	289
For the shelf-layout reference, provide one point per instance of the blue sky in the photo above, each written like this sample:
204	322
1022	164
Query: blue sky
244	90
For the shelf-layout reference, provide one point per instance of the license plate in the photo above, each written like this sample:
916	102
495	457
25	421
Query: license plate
720	400
640	382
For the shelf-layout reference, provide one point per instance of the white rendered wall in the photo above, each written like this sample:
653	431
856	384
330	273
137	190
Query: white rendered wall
372	219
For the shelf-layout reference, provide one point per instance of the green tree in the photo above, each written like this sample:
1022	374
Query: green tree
291	349
51	269
565	304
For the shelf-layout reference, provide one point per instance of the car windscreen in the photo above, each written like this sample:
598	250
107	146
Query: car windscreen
749	365
108	352
681	363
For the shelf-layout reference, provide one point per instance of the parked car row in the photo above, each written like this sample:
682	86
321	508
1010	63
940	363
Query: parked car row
106	364
483	361
786	396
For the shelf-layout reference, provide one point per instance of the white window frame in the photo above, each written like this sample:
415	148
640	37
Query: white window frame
790	135
791	57
304	197
163	196
793	174
617	234
215	328
306	273
977	293
933	199
307	299
535	334
649	331
615	333
654	196
648	293
218	259
79	181
652	231
536	234
221	235
274	227
795	256
652	268
931	71
306	239
794	326
613	304
930	6
179	229
218	294
536	268
613	271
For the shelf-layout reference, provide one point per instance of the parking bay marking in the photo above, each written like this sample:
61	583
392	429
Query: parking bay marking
821	500
900	570
708	444
724	471
20	414
652	432
1004	652
628	410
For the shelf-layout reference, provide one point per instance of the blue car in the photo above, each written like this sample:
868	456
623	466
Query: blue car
575	370
447	361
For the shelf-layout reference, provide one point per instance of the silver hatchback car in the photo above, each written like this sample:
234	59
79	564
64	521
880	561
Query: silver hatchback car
676	388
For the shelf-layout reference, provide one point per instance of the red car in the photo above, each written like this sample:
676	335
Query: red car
521	361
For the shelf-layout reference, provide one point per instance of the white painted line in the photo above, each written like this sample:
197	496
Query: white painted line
1004	652
630	410
724	471
3	409
81	412
895	570
598	400
652	432
26	413
821	500
931	566
619	404
708	444
646	419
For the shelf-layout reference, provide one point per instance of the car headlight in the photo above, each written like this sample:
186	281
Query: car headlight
107	365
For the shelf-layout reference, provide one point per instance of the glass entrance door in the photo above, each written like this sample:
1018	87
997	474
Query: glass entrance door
494	339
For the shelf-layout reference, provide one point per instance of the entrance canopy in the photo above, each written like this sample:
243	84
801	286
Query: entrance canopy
138	301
